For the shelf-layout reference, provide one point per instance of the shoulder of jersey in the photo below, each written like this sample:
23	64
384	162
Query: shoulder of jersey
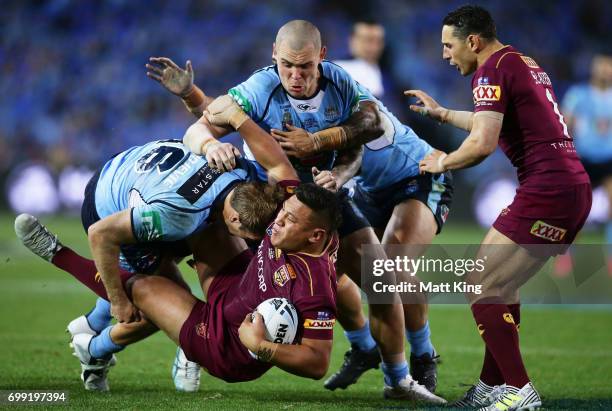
513	59
332	71
266	77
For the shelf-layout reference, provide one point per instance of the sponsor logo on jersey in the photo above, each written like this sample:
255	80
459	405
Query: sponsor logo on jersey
480	329
98	277
202	330
287	119
194	188
487	93
331	112
547	231
319	324
505	211
530	62
242	101
323	315
260	271
305	107
271	255
508	318
483	81
283	274
444	210
151	224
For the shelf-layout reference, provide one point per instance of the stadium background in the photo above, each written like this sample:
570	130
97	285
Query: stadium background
73	91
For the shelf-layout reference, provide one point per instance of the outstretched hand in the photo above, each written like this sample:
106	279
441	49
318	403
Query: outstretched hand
426	105
174	79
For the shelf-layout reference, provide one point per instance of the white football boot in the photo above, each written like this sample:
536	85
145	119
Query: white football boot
93	370
409	389
36	237
513	399
479	395
80	325
185	373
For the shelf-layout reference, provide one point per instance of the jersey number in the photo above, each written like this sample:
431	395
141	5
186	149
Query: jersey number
550	98
164	158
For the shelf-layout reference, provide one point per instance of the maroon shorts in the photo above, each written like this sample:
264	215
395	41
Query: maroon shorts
547	217
206	338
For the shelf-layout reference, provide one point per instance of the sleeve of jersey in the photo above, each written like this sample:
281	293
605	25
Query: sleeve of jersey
317	305
252	95
490	90
155	222
352	91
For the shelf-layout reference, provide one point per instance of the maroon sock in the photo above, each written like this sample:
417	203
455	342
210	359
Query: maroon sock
499	333
83	270
490	373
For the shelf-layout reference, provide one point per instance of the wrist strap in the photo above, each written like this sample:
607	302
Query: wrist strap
330	139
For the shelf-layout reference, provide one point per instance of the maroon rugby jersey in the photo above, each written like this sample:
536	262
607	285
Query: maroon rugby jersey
534	135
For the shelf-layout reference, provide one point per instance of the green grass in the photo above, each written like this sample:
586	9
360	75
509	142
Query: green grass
568	351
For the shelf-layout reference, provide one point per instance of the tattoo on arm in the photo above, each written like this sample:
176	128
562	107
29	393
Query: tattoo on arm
363	125
265	354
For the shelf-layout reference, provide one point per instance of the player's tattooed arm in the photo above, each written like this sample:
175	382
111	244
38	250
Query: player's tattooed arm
363	126
179	82
478	145
428	107
105	237
347	164
308	359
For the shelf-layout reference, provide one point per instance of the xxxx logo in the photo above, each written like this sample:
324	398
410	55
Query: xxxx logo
487	93
98	278
547	231
508	318
480	329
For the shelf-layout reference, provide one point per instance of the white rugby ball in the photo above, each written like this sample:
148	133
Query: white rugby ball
281	320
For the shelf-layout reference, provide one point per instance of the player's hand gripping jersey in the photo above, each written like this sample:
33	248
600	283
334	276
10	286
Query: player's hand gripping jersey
534	135
210	334
388	159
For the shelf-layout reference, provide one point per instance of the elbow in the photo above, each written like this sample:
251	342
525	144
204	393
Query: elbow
95	234
485	150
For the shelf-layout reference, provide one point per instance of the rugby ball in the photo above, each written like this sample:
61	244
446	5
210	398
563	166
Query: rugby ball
281	320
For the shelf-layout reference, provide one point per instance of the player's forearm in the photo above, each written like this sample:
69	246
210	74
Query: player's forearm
298	359
470	153
196	101
361	127
459	119
267	152
347	164
105	252
200	134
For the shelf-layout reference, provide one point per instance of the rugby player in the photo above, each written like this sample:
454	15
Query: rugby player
515	107
303	89
295	260
139	207
588	112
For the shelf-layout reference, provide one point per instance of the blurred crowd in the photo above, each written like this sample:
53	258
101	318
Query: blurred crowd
74	90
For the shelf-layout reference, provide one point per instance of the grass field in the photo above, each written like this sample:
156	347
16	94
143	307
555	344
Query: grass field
567	350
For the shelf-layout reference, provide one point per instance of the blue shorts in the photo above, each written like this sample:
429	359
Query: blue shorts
143	258
433	190
352	217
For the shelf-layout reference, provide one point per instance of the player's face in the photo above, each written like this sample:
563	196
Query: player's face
293	229
457	52
298	69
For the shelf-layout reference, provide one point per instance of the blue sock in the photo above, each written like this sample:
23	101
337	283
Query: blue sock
361	338
420	341
609	237
99	317
102	346
394	373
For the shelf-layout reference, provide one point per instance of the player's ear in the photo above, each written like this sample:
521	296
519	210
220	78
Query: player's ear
274	52
318	235
323	52
473	42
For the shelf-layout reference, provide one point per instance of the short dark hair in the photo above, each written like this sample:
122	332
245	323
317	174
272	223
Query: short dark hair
365	21
324	203
257	204
471	20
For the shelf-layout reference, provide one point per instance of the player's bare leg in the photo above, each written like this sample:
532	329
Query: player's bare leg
508	267
412	223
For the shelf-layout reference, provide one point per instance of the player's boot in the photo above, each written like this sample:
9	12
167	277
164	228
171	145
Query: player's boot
356	362
185	373
513	399
425	370
80	325
409	389
479	395
93	370
36	237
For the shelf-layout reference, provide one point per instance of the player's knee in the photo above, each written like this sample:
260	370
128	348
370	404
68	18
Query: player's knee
143	287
